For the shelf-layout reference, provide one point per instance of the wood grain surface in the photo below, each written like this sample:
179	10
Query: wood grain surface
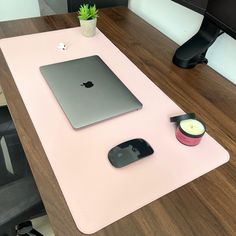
206	206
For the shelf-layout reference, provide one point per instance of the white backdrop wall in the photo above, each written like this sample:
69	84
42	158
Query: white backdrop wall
180	23
17	9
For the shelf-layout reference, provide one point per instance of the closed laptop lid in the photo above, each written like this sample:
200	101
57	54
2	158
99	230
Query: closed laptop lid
88	91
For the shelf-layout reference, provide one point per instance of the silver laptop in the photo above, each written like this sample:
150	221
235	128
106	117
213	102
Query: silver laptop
88	91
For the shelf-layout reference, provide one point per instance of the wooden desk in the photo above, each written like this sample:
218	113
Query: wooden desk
206	206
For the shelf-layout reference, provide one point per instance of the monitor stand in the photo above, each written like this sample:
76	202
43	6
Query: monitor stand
193	52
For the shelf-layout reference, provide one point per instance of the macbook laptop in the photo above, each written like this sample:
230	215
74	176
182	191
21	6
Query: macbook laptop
88	91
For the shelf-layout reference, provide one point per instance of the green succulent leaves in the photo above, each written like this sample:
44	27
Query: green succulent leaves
87	12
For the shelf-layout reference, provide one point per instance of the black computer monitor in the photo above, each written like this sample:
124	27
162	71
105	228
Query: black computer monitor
223	14
219	17
196	5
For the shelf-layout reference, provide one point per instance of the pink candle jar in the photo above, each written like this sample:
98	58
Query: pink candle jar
189	130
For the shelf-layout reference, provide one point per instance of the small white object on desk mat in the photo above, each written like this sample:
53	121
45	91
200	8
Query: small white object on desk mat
97	193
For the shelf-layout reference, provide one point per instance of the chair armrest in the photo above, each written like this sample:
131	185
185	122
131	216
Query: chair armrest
16	198
6	123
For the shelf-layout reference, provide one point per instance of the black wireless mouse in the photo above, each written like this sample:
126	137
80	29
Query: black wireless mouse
128	152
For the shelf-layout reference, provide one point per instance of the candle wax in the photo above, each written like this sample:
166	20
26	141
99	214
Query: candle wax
192	126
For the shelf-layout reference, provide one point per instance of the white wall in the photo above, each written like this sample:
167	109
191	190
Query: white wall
17	9
180	23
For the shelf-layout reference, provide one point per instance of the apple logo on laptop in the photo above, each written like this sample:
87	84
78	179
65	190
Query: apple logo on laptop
88	84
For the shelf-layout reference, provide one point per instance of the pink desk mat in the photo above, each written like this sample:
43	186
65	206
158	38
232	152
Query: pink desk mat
97	193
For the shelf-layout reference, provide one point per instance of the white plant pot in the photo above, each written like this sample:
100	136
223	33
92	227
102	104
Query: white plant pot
88	27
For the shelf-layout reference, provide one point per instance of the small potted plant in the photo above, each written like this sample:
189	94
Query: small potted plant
87	15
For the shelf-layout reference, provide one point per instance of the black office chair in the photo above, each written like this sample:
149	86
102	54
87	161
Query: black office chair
73	5
6	123
19	197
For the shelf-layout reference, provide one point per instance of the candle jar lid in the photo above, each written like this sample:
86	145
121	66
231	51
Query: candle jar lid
179	118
